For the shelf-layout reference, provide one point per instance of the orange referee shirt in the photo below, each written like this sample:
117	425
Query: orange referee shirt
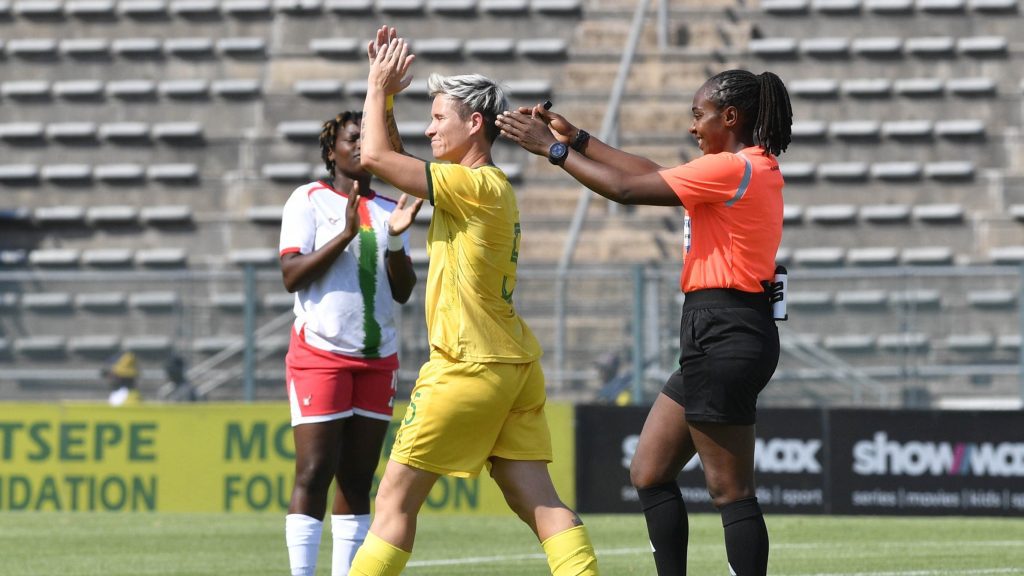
735	207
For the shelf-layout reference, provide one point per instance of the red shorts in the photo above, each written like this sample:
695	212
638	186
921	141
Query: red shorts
325	386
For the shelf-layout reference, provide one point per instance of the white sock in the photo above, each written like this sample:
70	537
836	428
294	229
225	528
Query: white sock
302	534
348	531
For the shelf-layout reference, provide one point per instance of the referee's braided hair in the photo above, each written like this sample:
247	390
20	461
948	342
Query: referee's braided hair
763	101
329	135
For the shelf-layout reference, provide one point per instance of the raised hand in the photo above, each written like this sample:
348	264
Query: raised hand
389	71
527	130
385	34
404	214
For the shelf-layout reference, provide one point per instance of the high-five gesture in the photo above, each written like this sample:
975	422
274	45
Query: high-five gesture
389	68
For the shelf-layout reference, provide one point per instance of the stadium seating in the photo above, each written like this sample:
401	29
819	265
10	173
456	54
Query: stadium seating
163	136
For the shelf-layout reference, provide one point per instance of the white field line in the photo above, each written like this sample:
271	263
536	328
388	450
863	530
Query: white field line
805	546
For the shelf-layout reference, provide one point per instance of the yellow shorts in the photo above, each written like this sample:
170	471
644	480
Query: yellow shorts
461	414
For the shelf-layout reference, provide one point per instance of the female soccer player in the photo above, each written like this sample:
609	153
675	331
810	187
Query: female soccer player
343	255
728	340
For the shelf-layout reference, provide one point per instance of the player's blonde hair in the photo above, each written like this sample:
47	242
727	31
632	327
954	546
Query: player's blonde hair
473	93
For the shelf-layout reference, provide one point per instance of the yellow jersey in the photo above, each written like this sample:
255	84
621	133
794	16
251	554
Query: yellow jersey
473	245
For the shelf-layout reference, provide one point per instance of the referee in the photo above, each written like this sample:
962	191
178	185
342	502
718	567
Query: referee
728	339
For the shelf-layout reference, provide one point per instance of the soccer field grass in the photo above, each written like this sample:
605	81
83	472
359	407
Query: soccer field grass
56	544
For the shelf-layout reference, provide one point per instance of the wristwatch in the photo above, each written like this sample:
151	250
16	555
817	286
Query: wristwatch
579	142
557	153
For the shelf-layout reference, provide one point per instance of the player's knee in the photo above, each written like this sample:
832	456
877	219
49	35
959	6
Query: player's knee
641	476
313	476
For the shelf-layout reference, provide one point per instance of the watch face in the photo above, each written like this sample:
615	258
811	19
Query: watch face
558	152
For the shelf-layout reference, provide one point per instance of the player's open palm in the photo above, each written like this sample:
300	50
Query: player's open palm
389	70
404	214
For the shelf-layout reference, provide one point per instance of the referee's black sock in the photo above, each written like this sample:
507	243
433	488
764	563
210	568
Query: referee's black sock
667	526
746	537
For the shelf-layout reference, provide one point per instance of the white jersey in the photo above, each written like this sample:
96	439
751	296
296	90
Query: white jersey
349	310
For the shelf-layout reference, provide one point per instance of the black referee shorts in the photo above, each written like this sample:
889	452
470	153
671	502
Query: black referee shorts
729	350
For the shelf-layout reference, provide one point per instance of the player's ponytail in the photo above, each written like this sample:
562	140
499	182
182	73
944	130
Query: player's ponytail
763	102
773	127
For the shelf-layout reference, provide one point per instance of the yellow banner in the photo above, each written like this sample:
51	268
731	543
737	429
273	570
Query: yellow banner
194	458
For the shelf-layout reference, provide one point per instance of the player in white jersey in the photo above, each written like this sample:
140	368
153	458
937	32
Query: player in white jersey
344	256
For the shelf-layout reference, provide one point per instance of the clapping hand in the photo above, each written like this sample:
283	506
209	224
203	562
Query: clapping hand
403	215
390	61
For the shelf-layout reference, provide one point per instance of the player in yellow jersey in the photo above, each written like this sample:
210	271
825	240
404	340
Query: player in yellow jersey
480	397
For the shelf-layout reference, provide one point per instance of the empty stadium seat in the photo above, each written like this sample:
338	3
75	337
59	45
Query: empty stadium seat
237	88
287	171
836	7
878	47
100	301
108	257
875	256
977	342
885	213
106	215
831	214
161	257
941	6
907	129
142	9
825	256
254	256
154	300
85	47
994	298
792	214
849	342
54	257
504	7
896	171
46	301
265	214
919	87
971	87
930	46
1006	255
927	256
810	299
939	213
63	215
814	88
920	298
452	7
949	170
146	344
78	89
170	214
119	173
903	341
335	47
785	7
867	87
319	88
490	47
19	131
843	171
825	47
861	298
94	344
76	131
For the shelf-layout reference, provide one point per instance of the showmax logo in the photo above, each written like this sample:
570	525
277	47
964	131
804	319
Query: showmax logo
880	456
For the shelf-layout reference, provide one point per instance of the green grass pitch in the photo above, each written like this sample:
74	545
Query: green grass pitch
79	544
